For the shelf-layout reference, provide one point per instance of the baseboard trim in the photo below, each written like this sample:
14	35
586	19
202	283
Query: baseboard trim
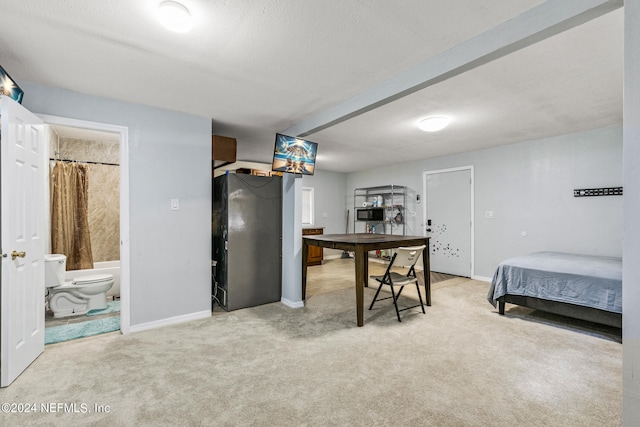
482	278
170	321
292	304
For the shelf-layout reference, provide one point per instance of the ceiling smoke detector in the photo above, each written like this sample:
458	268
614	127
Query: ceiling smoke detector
175	16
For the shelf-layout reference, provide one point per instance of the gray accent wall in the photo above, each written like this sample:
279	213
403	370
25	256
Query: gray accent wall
529	187
169	157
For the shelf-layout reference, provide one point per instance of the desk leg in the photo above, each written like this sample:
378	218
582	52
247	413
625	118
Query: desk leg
361	262
365	275
426	267
305	252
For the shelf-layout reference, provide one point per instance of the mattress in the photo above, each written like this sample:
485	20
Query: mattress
590	281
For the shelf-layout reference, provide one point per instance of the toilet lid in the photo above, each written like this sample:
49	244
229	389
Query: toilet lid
92	278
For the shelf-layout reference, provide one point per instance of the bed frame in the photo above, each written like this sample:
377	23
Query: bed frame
564	309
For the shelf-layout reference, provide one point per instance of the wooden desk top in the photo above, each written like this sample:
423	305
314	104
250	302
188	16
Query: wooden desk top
376	241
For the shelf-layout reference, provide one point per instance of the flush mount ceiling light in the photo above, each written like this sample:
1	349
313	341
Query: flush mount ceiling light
175	16
434	123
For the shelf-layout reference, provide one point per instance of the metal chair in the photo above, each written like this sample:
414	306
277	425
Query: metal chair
406	257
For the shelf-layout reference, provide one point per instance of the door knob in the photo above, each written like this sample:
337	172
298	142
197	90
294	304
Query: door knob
15	254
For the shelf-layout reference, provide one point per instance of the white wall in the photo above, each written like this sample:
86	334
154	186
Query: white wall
631	250
529	187
329	199
292	241
328	188
170	157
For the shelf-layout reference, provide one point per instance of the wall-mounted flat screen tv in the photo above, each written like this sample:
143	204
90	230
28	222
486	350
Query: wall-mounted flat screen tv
9	87
294	155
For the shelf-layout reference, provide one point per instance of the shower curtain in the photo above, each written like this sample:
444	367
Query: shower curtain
69	184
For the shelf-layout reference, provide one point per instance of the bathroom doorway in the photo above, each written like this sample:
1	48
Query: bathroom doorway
103	150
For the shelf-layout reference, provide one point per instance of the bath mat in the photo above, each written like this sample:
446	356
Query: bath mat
80	330
112	307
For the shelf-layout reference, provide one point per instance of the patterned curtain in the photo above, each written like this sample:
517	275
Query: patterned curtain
69	185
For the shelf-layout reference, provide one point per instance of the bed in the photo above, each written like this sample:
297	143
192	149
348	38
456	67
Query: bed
579	286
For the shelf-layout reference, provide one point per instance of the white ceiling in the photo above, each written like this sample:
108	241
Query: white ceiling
256	67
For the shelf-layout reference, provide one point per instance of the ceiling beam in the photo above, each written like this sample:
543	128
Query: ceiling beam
532	26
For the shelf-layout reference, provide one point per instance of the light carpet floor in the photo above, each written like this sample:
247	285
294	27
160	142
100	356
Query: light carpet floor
461	364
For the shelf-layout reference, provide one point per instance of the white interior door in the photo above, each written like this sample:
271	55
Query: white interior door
22	211
448	220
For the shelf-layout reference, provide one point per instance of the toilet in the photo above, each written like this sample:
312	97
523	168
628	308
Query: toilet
78	296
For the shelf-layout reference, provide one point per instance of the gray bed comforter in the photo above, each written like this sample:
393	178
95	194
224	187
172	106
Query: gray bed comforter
591	281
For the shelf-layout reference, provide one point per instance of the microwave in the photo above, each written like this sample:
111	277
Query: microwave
370	214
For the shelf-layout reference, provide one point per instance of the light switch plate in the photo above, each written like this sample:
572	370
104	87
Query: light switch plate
175	204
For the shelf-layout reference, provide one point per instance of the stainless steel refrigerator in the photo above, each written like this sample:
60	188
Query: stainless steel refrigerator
247	231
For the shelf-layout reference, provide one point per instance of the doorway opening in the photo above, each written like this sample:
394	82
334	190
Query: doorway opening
100	152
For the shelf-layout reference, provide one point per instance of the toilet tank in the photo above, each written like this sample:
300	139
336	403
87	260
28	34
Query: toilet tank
55	266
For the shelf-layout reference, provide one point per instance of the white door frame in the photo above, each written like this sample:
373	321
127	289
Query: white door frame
123	132
472	192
